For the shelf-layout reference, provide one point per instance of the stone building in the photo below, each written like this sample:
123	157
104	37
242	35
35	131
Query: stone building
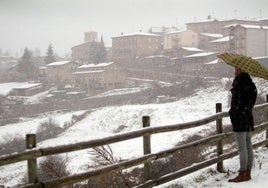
182	38
212	25
206	38
196	62
60	73
250	40
96	78
237	35
220	45
81	52
128	48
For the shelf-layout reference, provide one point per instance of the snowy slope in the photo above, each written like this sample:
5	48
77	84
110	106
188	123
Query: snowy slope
30	125
106	121
209	178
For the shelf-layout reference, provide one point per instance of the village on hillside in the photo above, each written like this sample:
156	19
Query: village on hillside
166	80
166	54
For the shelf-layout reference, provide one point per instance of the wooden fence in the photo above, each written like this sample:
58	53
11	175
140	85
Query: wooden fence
32	153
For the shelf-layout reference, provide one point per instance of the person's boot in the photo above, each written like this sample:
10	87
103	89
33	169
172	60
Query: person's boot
242	176
248	172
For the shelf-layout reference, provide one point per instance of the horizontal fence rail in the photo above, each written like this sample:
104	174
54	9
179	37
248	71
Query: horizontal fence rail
32	154
8	159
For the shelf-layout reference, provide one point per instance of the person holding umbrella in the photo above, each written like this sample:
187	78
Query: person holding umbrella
244	94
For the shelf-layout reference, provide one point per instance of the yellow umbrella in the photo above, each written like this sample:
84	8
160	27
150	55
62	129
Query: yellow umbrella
246	64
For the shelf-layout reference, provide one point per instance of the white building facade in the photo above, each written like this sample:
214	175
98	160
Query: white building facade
183	38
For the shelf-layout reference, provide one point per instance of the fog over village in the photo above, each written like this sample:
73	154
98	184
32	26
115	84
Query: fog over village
77	70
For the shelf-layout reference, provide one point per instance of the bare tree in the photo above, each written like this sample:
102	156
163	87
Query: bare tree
103	155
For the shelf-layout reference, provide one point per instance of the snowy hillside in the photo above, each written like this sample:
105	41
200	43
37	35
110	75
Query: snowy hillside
110	120
210	178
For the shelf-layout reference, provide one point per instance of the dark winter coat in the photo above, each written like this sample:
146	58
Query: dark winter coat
244	94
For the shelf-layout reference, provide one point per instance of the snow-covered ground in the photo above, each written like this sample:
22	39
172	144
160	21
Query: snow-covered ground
31	125
107	121
119	92
7	87
210	178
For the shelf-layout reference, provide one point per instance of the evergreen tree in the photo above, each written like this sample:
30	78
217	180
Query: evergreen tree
25	62
50	55
93	53
26	65
102	52
97	52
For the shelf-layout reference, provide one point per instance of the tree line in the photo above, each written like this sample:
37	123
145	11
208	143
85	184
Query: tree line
28	65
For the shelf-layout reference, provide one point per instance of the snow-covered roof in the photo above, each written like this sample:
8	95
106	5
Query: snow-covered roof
262	19
215	35
58	63
157	29
155	56
9	62
247	26
262	57
230	25
200	54
192	49
180	31
88	72
137	34
27	86
95	65
254	27
5	88
204	20
224	39
212	62
81	45
222	20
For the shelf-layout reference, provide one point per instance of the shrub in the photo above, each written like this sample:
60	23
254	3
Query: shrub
12	144
104	156
180	159
53	167
48	129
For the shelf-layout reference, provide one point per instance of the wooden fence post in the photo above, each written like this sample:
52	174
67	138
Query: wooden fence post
32	163
266	119
219	131
147	148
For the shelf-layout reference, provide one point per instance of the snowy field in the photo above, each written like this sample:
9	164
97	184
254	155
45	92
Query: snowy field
106	121
7	87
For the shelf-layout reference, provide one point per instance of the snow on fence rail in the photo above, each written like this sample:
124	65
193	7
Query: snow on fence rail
32	153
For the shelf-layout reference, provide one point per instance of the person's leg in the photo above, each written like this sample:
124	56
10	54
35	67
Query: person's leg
250	154
249	150
243	158
242	150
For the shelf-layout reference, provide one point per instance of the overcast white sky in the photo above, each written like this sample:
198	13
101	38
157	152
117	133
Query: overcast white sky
36	23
